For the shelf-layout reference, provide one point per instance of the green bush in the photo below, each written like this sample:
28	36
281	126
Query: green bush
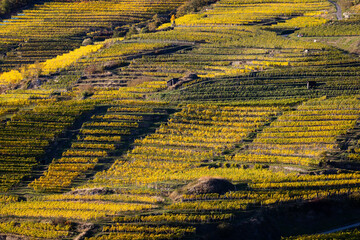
8	6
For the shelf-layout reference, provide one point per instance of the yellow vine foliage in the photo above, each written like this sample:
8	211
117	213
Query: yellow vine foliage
50	66
13	76
65	60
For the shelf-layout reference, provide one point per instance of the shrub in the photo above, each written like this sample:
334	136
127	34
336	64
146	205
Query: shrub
94	68
193	6
87	41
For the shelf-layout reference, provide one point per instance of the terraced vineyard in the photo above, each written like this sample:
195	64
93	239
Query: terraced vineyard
302	136
53	28
229	119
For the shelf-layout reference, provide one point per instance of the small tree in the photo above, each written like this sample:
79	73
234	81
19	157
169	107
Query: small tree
172	20
31	72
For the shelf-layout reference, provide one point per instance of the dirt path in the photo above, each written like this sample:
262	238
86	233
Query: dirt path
338	10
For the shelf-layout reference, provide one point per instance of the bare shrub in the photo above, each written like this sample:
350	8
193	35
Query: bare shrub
137	81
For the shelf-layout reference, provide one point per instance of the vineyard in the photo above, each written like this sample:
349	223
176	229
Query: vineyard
152	119
51	29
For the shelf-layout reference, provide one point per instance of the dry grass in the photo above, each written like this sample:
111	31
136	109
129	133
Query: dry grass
137	81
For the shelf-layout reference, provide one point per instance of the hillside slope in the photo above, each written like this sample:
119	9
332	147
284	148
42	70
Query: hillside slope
128	138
